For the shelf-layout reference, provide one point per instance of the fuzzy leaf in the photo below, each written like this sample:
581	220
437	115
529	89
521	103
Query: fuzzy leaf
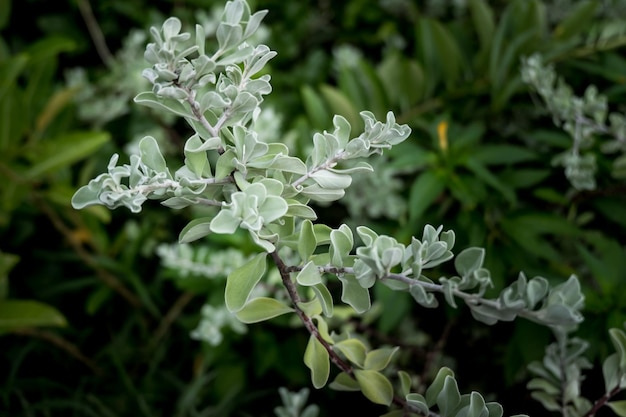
618	337
262	308
309	275
306	241
242	281
316	358
418	401
344	382
437	385
326	299
378	359
151	100
375	386
353	349
469	260
195	229
354	294
449	397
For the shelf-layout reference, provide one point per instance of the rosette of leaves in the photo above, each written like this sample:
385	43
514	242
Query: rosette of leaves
584	118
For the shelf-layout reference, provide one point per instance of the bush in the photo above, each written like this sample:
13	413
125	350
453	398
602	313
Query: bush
250	186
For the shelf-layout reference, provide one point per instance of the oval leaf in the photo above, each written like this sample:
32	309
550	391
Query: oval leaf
262	308
316	358
242	281
28	313
375	386
194	230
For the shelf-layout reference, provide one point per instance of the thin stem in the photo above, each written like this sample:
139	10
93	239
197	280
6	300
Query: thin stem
308	322
61	343
107	278
195	108
170	317
285	271
331	162
95	32
602	401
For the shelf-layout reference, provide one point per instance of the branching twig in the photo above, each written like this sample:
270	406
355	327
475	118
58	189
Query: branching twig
306	320
107	278
170	317
60	342
96	33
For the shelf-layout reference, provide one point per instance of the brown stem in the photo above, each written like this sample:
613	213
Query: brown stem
308	323
95	32
61	343
107	278
285	271
170	317
601	402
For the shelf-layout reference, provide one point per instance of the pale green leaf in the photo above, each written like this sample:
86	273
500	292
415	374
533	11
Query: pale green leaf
306	240
326	299
437	385
309	275
225	223
328	179
353	294
344	382
316	358
418	401
318	193
353	349
262	308
311	308
300	210
618	337
449	397
375	386
242	281
151	154
195	229
149	99
469	260
611	372
405	383
378	359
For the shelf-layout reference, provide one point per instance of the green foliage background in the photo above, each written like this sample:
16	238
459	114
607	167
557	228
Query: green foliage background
94	325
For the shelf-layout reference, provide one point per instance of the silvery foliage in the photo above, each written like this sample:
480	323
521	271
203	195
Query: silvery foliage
199	261
583	118
213	320
255	185
558	377
294	404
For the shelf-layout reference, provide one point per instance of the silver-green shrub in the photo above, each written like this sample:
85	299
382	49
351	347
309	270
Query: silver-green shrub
256	185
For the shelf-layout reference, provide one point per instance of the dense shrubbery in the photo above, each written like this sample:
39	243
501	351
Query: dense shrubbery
517	145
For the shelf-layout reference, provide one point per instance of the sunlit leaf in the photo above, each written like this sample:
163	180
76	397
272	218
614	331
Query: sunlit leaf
375	386
316	358
262	308
242	281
